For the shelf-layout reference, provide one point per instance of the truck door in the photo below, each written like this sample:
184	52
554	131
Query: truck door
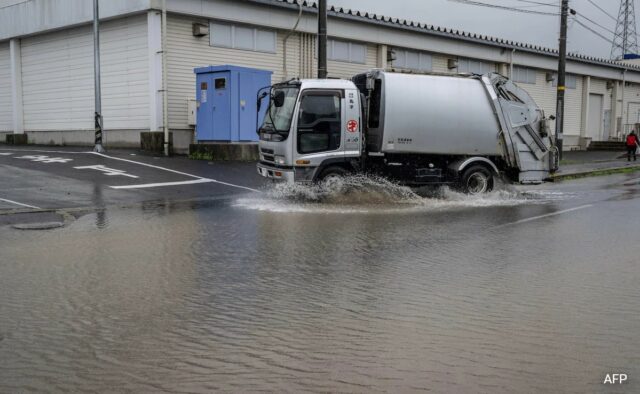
319	126
353	126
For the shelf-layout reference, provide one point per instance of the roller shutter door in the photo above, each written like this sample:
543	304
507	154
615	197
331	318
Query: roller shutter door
57	75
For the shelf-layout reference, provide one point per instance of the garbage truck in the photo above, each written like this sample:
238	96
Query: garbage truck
465	131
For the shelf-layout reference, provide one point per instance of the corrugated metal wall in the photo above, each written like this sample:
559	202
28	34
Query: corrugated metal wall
57	76
186	52
439	64
125	73
348	70
6	123
572	107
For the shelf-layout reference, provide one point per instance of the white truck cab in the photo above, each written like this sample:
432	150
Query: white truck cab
309	126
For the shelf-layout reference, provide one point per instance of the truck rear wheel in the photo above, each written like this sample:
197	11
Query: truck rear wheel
332	174
477	180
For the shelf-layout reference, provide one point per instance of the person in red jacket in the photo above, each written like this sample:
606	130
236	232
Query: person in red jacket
632	145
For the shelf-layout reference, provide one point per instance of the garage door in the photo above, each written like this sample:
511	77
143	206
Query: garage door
57	75
594	125
5	88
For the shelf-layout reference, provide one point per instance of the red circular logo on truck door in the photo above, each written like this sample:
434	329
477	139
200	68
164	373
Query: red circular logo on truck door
352	126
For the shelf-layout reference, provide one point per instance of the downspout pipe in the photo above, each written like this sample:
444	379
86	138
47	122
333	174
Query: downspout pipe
513	52
322	39
623	122
286	38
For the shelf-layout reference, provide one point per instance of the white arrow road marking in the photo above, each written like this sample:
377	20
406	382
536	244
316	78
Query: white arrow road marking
177	172
545	216
45	159
147	185
106	170
19	203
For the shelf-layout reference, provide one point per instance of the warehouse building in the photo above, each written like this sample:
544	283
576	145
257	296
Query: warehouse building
46	64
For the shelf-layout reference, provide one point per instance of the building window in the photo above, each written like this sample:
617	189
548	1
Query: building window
570	81
344	51
474	66
412	60
524	74
242	37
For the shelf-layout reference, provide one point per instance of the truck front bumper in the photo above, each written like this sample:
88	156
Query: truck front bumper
277	174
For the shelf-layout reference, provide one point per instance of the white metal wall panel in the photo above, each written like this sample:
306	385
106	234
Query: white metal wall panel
57	80
6	120
440	64
186	52
347	70
599	86
632	102
57	75
544	94
125	73
573	108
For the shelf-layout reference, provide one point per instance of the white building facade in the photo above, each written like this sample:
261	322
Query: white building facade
46	64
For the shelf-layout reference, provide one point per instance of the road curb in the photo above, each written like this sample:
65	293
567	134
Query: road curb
596	172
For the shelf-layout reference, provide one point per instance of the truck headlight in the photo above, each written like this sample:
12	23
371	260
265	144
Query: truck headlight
279	160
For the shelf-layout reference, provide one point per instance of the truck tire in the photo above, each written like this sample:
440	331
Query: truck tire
332	174
476	180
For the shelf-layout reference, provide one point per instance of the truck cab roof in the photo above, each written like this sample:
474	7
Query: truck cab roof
326	84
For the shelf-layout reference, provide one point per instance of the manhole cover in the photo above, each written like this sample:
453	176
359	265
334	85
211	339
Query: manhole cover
38	226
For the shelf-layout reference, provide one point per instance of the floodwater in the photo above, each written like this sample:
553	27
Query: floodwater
369	287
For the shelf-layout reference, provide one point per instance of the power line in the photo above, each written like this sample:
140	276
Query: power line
538	3
592	31
502	7
597	24
600	8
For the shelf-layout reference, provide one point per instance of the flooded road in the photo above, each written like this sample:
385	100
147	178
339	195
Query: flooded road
360	290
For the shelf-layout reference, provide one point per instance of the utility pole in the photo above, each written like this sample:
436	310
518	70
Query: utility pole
562	62
322	39
96	69
165	88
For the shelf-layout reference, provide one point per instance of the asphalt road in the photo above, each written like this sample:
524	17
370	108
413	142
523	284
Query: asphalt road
76	178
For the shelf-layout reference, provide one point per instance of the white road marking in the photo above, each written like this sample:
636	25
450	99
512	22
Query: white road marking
162	184
238	186
19	203
5	154
545	215
135	162
106	170
147	165
46	151
45	159
176	172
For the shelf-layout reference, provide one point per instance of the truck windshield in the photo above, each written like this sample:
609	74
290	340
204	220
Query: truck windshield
278	119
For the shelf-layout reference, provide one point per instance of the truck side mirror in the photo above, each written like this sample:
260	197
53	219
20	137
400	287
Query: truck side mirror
260	98
278	99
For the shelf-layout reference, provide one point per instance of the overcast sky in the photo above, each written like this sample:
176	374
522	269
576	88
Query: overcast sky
528	28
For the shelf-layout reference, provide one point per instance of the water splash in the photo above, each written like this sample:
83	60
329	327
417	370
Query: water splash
372	194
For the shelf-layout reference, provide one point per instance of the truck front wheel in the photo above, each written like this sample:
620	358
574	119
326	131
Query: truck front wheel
477	180
332	175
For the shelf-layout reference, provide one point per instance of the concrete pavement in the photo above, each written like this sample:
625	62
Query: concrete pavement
580	164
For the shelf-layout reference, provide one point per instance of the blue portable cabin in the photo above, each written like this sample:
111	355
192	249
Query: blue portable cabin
227	102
